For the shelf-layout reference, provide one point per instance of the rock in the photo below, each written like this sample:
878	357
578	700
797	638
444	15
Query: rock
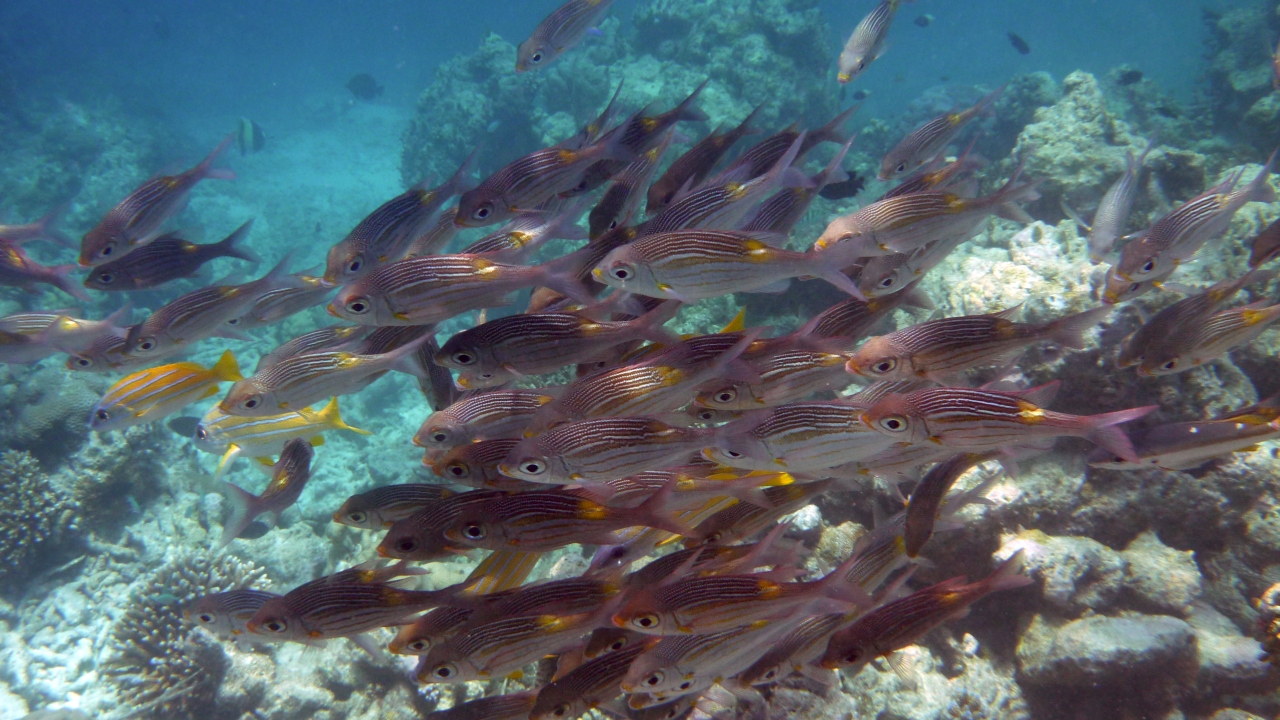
1104	650
1078	574
1233	714
1230	663
1160	578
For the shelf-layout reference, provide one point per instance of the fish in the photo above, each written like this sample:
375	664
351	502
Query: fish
300	381
693	167
1177	236
224	614
620	202
1265	246
600	449
529	181
499	350
289	477
844	189
17	269
677	666
165	259
885	274
18	348
46	228
785	375
544	520
149	395
587	686
138	219
1129	76
926	499
434	288
200	314
642	131
1019	44
764	155
797	437
927	141
902	622
1207	338
942	350
939	173
558	32
788	206
382	507
438	237
483	416
592	131
795	652
512	706
904	223
105	354
1113	210
184	426
421	535
233	436
364	86
866	44
476	465
385	234
300	292
500	648
1188	445
690	265
249	136
924	20
325	338
522	237
429	629
69	334
964	419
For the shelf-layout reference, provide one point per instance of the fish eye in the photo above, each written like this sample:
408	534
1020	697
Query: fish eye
202	434
1149	266
483	211
102	415
147	344
727	396
234	321
770	674
733	454
1171	365
356	263
473	531
81	361
445	671
358	306
561	710
439	436
106	278
536	57
613	224
276	626
463	358
648	621
419	645
654	680
685	685
884	366
902	167
1134	287
205	618
406	545
706	415
618	644
107	249
893	423
845	237
357	517
533	467
458	470
251	402
852	656
621	272
886	283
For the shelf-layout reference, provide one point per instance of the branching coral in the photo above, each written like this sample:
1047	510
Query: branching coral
162	667
35	516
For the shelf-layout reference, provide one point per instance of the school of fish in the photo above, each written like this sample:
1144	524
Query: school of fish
674	456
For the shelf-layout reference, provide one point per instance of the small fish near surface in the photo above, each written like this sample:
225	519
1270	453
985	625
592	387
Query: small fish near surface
558	32
167	258
1019	44
866	44
926	142
289	477
249	136
150	395
364	87
924	20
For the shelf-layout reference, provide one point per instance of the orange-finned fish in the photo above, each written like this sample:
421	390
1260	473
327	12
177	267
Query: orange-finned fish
692	168
224	614
559	31
17	269
483	416
476	465
1207	338
902	622
927	141
152	394
500	648
137	219
797	437
866	43
1188	445
600	449
232	436
966	419
421	535
288	478
587	686
512	706
167	258
926	499
381	507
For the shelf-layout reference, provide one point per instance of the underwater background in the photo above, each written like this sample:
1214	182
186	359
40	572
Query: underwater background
1150	592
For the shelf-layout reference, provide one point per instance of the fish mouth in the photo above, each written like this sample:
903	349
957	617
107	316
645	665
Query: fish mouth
332	310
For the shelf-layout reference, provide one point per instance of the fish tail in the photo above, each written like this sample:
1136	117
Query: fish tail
1260	189
686	110
650	325
206	169
1069	331
656	513
1103	430
330	415
244	509
834	173
1008	576
62	280
48	226
983	107
229	247
834	130
562	276
226	369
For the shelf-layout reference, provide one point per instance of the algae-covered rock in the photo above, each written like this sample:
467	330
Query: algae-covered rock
1101	650
1160	578
1077	574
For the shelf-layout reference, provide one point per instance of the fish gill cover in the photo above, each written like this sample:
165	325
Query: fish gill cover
946	389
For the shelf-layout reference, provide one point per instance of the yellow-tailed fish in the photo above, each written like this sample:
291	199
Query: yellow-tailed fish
234	436
149	395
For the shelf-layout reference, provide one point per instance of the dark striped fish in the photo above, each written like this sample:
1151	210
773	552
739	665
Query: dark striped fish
166	259
278	304
1188	445
692	168
558	32
866	43
784	370
483	416
926	499
747	519
594	129
385	235
568	596
677	666
429	630
970	420
607	640
641	132
1176	237
500	648
200	314
288	478
620	202
503	349
476	465
382	507
1113	209
1208	338
437	238
942	350
520	238
137	219
1265	246
927	141
298	382
794	652
937	174
759	158
798	437
690	265
902	622
887	274
326	338
17	269
512	706
421	535
602	449
105	354
434	288
784	209
585	687
225	614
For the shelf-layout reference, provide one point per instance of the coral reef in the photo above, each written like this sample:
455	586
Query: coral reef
36	517
162	666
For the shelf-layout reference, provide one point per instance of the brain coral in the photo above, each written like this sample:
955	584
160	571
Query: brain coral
35	516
